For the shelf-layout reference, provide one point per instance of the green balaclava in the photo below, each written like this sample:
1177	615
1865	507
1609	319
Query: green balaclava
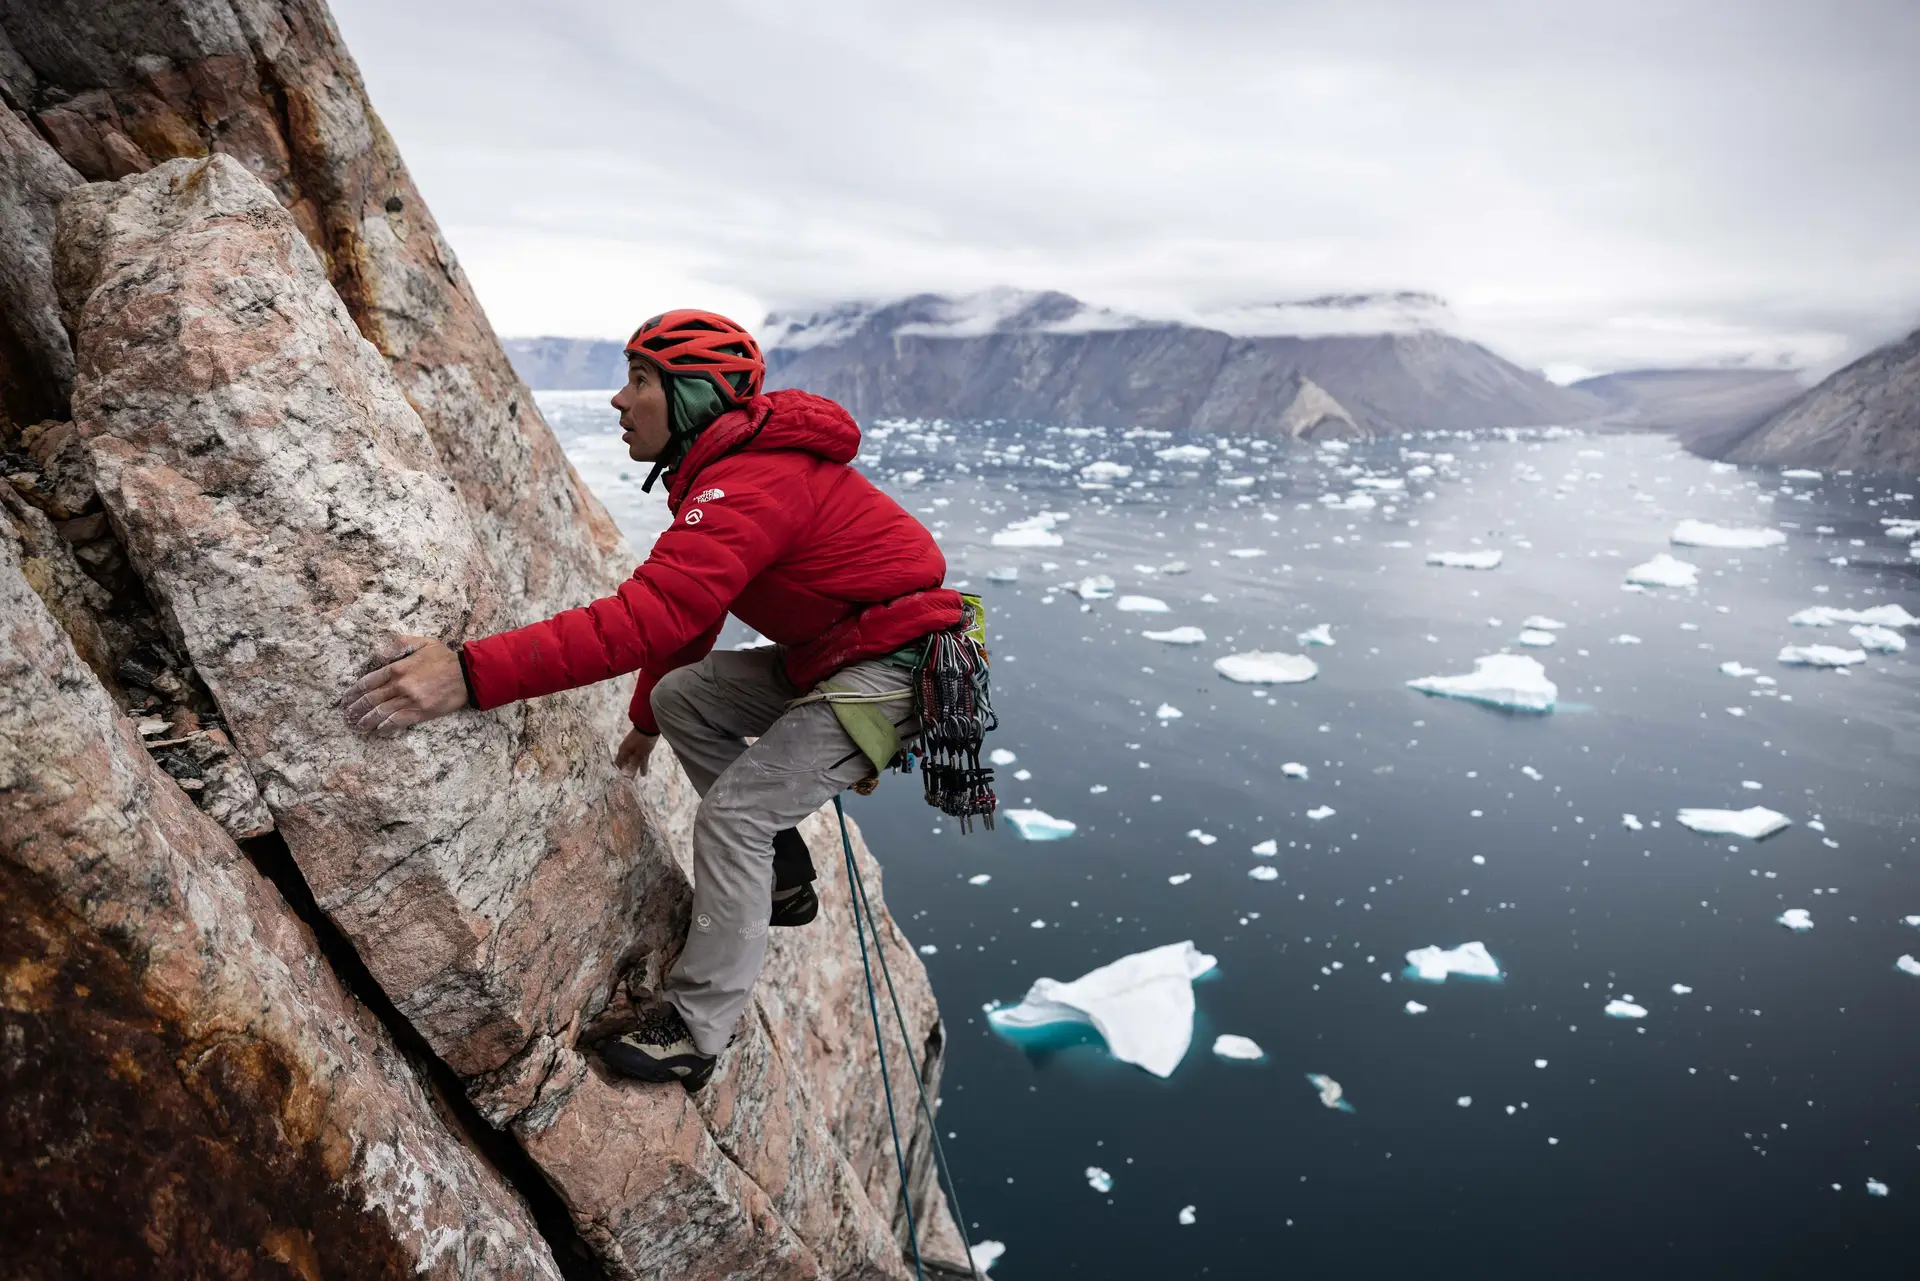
693	402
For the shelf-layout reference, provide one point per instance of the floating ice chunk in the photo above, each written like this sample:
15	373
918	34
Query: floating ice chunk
1907	965
1537	638
1094	587
1876	616
1876	1188
1005	574
1465	560
1023	774
1733	668
1180	878
1141	605
1237	1047
1821	656
1294	769
1247	553
1681	989
1625	638
1098	1179
1631	823
1258	667
1321	635
1205	838
1799	473
1331	1095
1038	825
1105	472
1698	533
1034	531
1619	1009
1174	567
1911	920
1184	454
1320	812
1756	822
1414	1007
986	1253
1267	848
1540	622
1168	712
1142	1005
980	879
928	949
1178	636
1664	571
1500	680
1879	640
1001	756
1469	961
1186	1216
1464	1101
1796	919
1264	873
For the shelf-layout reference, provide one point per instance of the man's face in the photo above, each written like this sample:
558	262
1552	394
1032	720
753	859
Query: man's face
643	411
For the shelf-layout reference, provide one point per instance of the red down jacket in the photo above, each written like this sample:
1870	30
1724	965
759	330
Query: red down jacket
769	523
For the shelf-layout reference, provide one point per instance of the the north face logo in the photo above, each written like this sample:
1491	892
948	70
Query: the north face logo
708	495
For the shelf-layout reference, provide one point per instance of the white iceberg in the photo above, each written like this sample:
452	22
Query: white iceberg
1104	472
1876	1188
1541	623
1093	587
1001	756
1500	680
1141	1005
1796	919
1664	571
1038	825
1821	656
1005	574
1618	1009
1186	1216
1034	531
1321	635
1246	553
1267	848
1535	637
1319	812
1465	560
1756	822
1681	989
1469	961
1698	533
1180	878
1237	1047
986	1253
980	878
1630	822
1733	668
1876	639
1414	1007
1262	668
1168	712
1184	454
1907	965
1098	1179
1294	769
1264	873
1894	616
1799	473
1174	567
1331	1095
1178	636
1141	605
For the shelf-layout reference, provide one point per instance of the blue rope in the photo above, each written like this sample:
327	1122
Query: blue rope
886	972
880	1041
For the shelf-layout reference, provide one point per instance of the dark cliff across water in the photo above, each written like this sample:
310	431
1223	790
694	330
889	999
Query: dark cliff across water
1704	408
1865	417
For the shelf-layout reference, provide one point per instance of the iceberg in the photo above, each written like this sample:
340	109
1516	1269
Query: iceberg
1540	622
1821	656
1186	1216
1876	1188
1877	639
1237	1047
980	878
1319	812
1469	961
1168	712
1178	636
1247	553
1537	638
1267	848
1104	472
1261	668
1038	825
1093	587
1630	822
1733	668
1141	605
1264	873
1005	574
1499	680
1180	878
1664	571
986	1253
1907	965
1294	769
1331	1095
1098	1179
1414	1007
1796	919
1141	1005
1756	822
1001	756
1681	989
1184	454
1034	531
1894	616
1619	1009
1465	560
1321	635
1698	533
1799	473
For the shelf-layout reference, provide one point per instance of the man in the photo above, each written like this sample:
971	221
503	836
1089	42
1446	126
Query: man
770	523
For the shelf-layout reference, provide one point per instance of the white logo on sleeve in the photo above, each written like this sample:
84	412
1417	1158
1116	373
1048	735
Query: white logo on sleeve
708	495
693	517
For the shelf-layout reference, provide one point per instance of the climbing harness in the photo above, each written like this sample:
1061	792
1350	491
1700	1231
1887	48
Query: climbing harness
857	891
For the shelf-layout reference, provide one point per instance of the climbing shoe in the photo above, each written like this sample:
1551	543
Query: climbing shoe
794	902
796	906
659	1049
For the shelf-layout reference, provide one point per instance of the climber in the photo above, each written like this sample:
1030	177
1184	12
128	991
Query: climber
768	522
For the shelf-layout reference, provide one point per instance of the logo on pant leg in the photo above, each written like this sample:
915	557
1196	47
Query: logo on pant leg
704	921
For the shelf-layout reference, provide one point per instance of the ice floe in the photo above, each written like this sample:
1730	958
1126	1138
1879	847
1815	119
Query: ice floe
1698	533
1247	553
1331	1095
1168	712
1877	639
1321	635
1756	822
1178	636
1874	616
986	1253
1733	668
1264	873
1630	822
1540	622
1237	1047
1105	472
1038	825
980	878
1294	769
1821	656
1414	1007
1664	571
1094	587
1469	961
1465	560
1267	848
1186	1216
1141	605
1500	680
1907	965
1001	756
1681	989
1098	1179
1799	473
1205	838
1180	878
1258	667
1034	531
1796	919
1142	1005
1876	1188
1319	812
1184	454
1625	1009
1004	574
1536	638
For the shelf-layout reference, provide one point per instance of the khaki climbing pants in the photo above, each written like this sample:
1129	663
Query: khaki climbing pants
802	759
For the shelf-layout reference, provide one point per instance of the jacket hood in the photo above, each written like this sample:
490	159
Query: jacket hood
788	419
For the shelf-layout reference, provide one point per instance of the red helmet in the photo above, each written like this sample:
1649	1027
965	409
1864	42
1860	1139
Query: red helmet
701	342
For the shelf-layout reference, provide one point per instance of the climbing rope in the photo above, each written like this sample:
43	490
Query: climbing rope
861	906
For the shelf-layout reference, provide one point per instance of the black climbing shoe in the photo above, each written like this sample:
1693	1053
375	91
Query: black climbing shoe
659	1049
797	907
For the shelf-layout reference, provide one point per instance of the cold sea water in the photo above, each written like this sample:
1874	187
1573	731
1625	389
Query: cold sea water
1760	1119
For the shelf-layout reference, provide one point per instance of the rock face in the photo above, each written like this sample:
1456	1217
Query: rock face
1704	408
218	1104
36	364
1050	358
1865	417
292	431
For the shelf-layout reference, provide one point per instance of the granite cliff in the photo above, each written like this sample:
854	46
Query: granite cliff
1865	417
289	1002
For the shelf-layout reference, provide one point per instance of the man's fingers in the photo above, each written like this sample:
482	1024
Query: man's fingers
371	681
376	716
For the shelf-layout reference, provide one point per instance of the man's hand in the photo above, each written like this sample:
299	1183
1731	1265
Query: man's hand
420	682
635	748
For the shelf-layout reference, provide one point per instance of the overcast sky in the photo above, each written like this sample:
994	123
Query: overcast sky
1590	184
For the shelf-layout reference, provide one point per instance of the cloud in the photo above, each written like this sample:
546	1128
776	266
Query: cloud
1600	184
